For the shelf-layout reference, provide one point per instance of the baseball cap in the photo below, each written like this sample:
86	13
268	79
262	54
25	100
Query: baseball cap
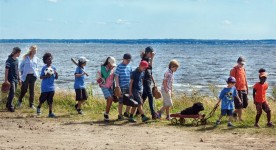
144	64
149	49
127	56
241	60
83	60
263	74
231	80
112	61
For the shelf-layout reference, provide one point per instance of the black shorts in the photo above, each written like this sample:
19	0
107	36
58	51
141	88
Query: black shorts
81	94
243	96
47	96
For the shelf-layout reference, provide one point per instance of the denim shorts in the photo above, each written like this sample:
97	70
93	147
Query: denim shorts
107	92
227	112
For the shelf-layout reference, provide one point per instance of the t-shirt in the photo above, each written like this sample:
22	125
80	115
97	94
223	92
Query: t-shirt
12	65
123	72
240	75
47	84
227	98
260	95
79	81
148	72
137	77
168	76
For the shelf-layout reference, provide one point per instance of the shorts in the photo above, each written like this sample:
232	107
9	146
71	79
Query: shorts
81	94
107	92
137	96
124	91
227	112
47	96
262	106
167	98
243	96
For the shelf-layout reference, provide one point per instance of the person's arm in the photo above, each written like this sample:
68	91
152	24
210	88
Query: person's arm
18	77
21	66
6	75
79	74
218	102
151	60
130	87
254	93
56	74
165	85
45	76
117	81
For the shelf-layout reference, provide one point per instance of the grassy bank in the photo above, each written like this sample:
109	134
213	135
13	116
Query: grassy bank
64	101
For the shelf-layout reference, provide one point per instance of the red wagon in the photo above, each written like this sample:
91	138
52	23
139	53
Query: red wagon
197	119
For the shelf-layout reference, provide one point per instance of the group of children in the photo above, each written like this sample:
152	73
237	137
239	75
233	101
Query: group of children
230	99
135	84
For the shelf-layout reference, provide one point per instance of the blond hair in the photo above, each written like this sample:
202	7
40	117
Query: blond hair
173	63
31	50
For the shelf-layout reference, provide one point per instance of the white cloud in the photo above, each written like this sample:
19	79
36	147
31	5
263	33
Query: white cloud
52	1
227	22
122	21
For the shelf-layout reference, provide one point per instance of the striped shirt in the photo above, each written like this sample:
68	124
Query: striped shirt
168	77
123	72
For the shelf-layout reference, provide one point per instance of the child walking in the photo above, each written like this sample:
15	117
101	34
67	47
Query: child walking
259	96
226	98
12	76
167	89
107	74
79	85
135	90
122	79
47	85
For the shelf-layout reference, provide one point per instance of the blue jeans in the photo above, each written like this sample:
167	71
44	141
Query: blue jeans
147	93
11	94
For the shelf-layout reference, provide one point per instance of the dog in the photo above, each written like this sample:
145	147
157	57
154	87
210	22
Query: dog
194	110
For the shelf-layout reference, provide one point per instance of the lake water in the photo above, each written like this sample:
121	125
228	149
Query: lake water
203	62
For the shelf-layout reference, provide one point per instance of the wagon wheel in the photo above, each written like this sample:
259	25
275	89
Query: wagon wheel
182	121
195	122
203	121
174	121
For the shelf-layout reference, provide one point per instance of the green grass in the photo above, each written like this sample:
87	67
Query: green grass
94	107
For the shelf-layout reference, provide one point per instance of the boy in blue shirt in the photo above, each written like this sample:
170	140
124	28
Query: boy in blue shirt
47	85
226	98
122	79
79	85
135	90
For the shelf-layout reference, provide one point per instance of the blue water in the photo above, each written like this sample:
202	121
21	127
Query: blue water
203	62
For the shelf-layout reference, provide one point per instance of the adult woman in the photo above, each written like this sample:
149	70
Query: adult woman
239	73
148	56
28	69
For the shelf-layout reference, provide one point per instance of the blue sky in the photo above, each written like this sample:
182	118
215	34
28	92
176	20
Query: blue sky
138	19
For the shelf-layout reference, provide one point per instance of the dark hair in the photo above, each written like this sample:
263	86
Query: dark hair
106	62
15	51
261	70
46	56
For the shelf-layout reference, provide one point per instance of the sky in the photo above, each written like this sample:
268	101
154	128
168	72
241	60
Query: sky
138	19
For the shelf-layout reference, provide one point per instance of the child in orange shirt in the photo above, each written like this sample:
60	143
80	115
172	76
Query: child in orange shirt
259	96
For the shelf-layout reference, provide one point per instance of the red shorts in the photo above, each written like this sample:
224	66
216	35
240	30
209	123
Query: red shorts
262	106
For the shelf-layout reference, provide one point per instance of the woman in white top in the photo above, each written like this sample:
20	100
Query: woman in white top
28	69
